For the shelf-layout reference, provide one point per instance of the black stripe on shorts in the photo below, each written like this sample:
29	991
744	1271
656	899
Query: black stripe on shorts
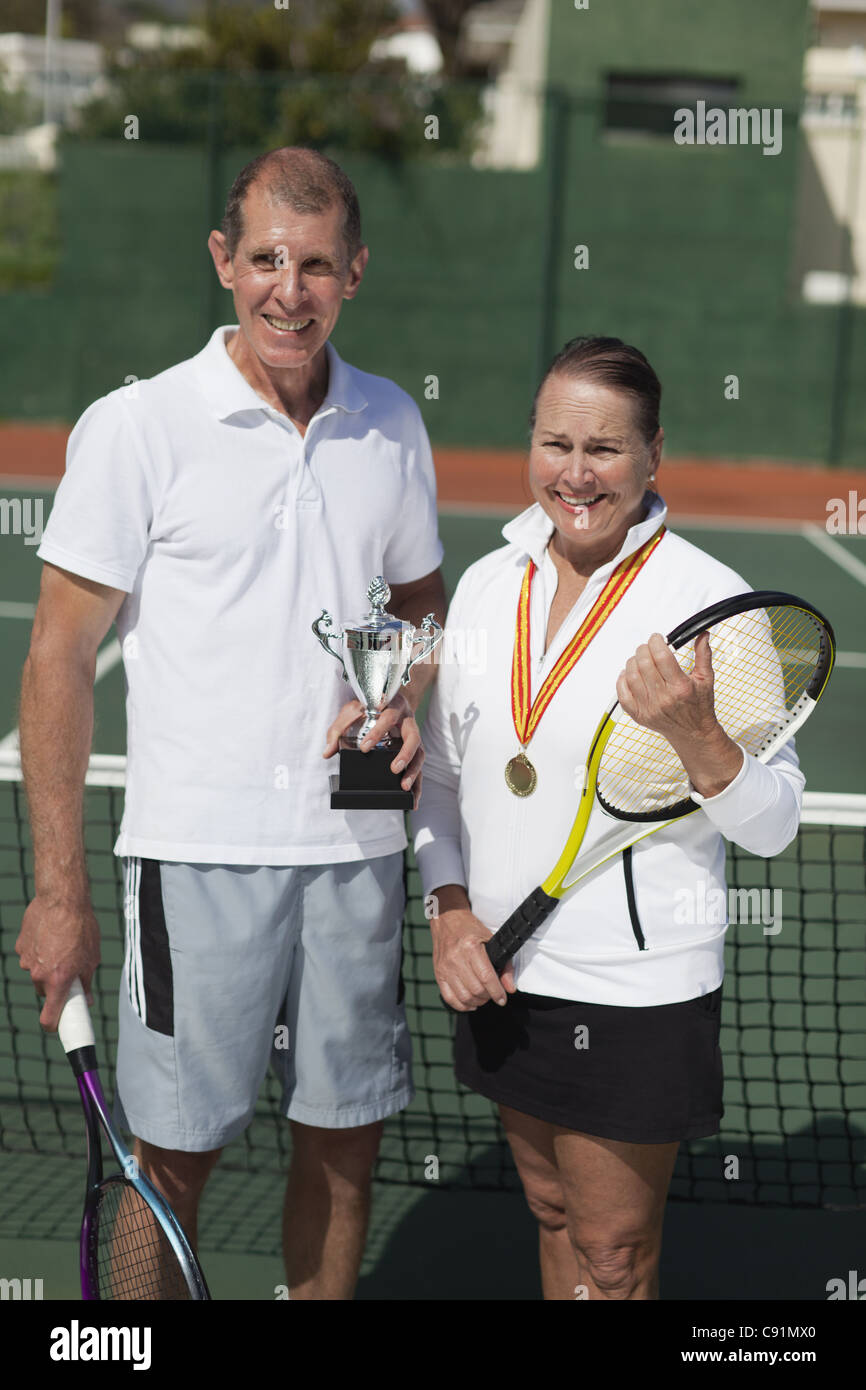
155	954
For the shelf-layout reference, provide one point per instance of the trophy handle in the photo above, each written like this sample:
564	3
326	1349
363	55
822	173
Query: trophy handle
428	635
322	629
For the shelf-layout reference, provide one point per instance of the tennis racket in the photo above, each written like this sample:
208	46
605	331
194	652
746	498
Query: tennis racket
772	656
132	1245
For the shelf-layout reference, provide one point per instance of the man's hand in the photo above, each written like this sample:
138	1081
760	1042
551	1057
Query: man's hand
58	943
465	977
396	717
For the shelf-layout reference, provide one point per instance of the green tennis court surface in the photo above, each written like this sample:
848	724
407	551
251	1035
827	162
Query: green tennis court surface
448	1219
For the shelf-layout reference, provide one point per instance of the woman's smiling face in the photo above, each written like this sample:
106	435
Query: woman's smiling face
589	465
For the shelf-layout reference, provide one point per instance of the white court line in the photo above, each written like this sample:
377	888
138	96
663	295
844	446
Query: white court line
761	525
835	552
737	523
494	510
17	610
806	529
111	654
106	660
103	769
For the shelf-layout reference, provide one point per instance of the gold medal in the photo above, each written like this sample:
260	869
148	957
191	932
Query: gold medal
520	776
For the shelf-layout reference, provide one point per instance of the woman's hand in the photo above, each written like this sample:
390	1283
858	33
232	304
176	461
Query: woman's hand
657	693
465	977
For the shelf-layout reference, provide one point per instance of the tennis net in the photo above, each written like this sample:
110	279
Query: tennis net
793	1032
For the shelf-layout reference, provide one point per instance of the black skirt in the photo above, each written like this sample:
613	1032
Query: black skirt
639	1075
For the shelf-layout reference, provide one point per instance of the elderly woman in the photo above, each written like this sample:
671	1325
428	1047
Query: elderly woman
600	1041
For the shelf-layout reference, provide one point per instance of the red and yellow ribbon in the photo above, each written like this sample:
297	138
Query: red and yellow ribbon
526	718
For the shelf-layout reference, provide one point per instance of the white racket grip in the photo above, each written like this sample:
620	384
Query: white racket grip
75	1028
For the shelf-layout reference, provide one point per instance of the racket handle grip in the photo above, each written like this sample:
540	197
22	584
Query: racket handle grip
75	1028
514	933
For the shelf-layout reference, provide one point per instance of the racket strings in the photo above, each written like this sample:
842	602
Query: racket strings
764	661
134	1259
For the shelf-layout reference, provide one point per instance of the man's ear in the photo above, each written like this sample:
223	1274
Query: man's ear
216	244
356	272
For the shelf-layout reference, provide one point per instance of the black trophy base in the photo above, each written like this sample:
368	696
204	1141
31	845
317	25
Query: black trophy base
366	782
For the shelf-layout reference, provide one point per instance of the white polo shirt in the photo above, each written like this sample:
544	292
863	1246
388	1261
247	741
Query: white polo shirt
230	532
470	829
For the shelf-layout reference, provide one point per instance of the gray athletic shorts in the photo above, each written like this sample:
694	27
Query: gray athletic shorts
228	969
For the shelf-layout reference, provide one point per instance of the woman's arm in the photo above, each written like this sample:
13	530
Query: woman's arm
760	809
463	971
465	977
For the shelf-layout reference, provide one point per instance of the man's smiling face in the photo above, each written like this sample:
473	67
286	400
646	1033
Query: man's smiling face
289	276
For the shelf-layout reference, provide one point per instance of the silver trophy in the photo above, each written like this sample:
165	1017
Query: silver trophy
378	653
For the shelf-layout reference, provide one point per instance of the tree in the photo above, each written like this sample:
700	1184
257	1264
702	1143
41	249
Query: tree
258	52
322	36
18	110
296	76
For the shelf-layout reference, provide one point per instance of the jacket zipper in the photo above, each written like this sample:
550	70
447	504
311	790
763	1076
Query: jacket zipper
630	898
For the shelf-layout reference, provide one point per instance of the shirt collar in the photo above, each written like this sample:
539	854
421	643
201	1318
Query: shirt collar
228	391
531	532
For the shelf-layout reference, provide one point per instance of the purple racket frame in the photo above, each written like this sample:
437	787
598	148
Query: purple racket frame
76	1037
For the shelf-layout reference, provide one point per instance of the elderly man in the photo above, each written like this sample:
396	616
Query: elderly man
211	513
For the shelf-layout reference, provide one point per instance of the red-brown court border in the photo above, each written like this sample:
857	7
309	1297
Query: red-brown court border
751	491
700	487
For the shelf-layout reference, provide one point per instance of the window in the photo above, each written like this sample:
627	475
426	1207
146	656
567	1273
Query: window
830	108
642	104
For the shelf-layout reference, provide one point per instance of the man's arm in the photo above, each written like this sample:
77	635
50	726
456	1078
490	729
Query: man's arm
59	937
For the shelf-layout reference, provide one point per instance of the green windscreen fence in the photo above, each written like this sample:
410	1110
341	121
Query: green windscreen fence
732	265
